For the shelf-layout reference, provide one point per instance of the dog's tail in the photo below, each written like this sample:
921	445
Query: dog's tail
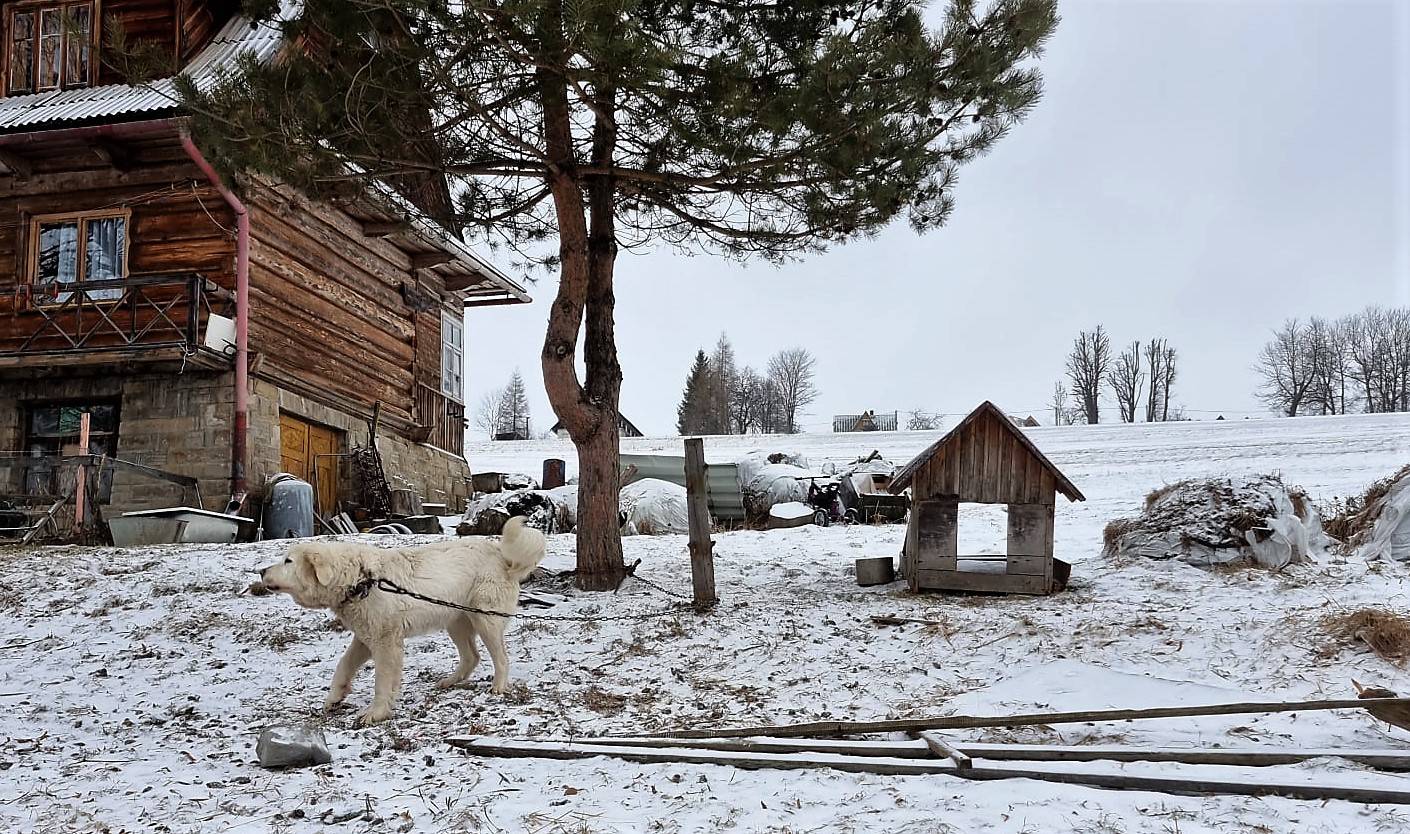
522	548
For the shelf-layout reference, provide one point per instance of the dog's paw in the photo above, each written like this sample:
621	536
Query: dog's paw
500	688
331	704
448	681
373	715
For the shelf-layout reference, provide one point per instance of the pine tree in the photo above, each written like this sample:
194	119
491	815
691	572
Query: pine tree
692	417
516	408
570	128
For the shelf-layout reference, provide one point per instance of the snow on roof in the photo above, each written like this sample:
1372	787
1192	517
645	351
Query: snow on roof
109	101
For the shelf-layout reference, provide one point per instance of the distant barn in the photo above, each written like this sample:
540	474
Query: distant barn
625	428
866	421
985	459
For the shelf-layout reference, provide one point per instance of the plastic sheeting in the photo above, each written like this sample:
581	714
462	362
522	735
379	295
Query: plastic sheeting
652	507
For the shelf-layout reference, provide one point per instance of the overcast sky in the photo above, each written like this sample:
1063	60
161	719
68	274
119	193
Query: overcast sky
1196	170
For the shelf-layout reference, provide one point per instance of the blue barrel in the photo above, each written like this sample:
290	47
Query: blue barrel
288	511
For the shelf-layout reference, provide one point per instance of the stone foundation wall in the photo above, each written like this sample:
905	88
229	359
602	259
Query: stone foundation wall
182	424
178	423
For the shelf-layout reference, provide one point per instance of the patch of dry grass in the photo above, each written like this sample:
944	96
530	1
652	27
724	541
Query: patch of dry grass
1162	491
1384	632
1349	520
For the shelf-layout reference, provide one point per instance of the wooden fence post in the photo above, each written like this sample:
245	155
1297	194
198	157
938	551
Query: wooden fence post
702	556
80	490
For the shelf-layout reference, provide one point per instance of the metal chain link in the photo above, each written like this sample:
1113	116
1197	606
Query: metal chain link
393	588
667	591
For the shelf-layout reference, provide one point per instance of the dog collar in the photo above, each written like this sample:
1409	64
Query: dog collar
360	590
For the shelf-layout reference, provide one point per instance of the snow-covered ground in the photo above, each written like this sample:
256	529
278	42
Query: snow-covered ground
133	682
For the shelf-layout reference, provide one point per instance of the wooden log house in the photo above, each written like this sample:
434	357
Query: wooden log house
224	331
984	459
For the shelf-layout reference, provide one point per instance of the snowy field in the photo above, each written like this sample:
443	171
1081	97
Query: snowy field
133	682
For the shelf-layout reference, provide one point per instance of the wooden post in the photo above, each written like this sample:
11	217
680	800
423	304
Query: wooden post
80	489
555	473
697	502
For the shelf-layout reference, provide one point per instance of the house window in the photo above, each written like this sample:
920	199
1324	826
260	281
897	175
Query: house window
50	47
452	357
52	430
85	249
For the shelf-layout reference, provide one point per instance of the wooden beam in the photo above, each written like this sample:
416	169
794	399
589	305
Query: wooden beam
372	228
1234	756
942	747
16	165
424	260
115	154
956	722
456	283
507	748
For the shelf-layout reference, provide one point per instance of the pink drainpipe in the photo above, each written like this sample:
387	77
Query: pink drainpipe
240	430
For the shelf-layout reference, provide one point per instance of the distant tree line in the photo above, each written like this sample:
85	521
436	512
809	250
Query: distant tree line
722	398
504	413
1359	363
1141	379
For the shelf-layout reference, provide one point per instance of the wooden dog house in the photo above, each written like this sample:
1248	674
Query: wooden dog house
985	459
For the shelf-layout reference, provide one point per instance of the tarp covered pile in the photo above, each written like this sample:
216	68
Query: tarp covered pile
1219	521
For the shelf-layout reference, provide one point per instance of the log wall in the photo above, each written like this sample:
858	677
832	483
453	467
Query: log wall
328	312
177	222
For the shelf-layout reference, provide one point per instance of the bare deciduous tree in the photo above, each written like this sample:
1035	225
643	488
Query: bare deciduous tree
791	371
1286	368
922	421
1087	367
1125	379
1062	415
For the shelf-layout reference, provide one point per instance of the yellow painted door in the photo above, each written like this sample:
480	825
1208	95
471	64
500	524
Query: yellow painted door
301	446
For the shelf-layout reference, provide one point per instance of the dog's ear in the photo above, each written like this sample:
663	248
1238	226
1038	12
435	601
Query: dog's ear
324	566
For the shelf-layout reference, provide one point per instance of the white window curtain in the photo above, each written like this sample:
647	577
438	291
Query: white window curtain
58	261
107	241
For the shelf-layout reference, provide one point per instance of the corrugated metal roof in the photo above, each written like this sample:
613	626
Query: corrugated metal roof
85	104
238	37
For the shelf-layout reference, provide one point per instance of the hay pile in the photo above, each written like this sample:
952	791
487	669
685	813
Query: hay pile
1383	632
1377	523
1221	521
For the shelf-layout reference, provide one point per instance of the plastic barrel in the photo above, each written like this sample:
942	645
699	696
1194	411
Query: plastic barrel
288	512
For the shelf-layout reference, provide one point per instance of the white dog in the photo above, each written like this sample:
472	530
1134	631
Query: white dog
476	572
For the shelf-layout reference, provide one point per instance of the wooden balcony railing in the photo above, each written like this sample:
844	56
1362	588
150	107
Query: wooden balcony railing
138	313
440	420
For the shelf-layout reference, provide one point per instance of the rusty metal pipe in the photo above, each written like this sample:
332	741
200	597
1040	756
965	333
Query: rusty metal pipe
240	430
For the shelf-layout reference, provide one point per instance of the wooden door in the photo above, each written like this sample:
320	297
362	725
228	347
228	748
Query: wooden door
301	447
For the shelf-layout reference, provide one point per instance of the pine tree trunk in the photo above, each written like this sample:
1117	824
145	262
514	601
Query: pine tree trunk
584	306
600	563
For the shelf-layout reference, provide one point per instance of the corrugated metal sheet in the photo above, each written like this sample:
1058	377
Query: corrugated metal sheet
721	481
93	103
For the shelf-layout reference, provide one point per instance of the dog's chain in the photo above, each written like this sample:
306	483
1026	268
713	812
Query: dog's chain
366	585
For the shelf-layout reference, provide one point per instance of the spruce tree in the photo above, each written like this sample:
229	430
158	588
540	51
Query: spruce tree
691	416
516	407
573	128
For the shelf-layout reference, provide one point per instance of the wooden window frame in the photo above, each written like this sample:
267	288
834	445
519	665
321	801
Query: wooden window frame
32	224
34	7
458	323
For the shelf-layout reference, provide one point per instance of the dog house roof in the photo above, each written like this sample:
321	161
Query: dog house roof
987	459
